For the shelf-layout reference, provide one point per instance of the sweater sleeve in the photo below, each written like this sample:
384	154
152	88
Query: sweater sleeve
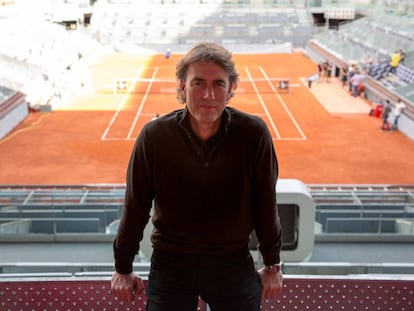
266	218
136	207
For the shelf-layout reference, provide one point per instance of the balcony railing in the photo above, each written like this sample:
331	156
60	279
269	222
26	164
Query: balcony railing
299	293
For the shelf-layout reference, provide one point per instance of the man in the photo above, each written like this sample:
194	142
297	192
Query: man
211	171
385	116
395	61
399	107
356	82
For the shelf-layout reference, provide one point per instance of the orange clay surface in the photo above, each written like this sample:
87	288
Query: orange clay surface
89	138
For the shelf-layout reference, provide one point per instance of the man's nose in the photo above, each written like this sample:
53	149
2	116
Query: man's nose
209	92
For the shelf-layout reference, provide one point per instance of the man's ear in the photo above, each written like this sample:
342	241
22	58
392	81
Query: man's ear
181	91
230	92
181	85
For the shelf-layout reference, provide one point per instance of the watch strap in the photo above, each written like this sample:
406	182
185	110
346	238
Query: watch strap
274	268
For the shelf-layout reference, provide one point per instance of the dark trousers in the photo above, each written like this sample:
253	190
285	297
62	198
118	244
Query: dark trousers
226	282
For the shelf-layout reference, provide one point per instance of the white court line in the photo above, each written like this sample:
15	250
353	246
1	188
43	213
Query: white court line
284	105
121	104
119	139
151	80
273	125
141	105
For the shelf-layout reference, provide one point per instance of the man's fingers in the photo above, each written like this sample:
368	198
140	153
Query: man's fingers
125	287
139	285
271	293
127	295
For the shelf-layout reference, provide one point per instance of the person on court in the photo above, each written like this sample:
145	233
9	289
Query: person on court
209	171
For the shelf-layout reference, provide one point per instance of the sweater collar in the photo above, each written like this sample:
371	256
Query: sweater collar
184	122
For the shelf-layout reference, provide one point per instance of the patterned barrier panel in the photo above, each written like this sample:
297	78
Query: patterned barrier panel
311	293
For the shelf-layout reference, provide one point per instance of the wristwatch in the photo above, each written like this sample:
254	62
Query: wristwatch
274	268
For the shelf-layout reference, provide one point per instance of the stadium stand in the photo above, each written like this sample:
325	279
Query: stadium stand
374	38
84	283
231	22
363	212
40	66
48	213
27	211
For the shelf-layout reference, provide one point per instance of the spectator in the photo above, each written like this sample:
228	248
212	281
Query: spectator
328	72
211	171
367	63
351	73
356	82
399	107
344	76
385	114
402	56
168	53
325	73
395	61
320	71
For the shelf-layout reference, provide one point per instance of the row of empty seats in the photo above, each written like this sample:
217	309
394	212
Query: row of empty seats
54	211
374	38
172	24
365	212
225	3
97	209
43	219
379	71
405	73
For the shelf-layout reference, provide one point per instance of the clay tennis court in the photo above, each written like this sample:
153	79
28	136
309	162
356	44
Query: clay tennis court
89	139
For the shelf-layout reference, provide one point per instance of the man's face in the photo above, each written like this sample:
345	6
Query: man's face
207	90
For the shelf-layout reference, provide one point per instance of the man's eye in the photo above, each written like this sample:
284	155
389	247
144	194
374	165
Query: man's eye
197	83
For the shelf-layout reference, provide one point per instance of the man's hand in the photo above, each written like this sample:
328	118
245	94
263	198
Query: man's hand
272	283
126	286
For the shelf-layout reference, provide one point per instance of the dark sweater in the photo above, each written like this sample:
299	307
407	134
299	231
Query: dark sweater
208	196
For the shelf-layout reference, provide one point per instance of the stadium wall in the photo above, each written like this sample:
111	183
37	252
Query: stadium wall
12	111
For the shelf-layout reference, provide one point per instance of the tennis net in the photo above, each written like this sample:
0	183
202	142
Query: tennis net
159	86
